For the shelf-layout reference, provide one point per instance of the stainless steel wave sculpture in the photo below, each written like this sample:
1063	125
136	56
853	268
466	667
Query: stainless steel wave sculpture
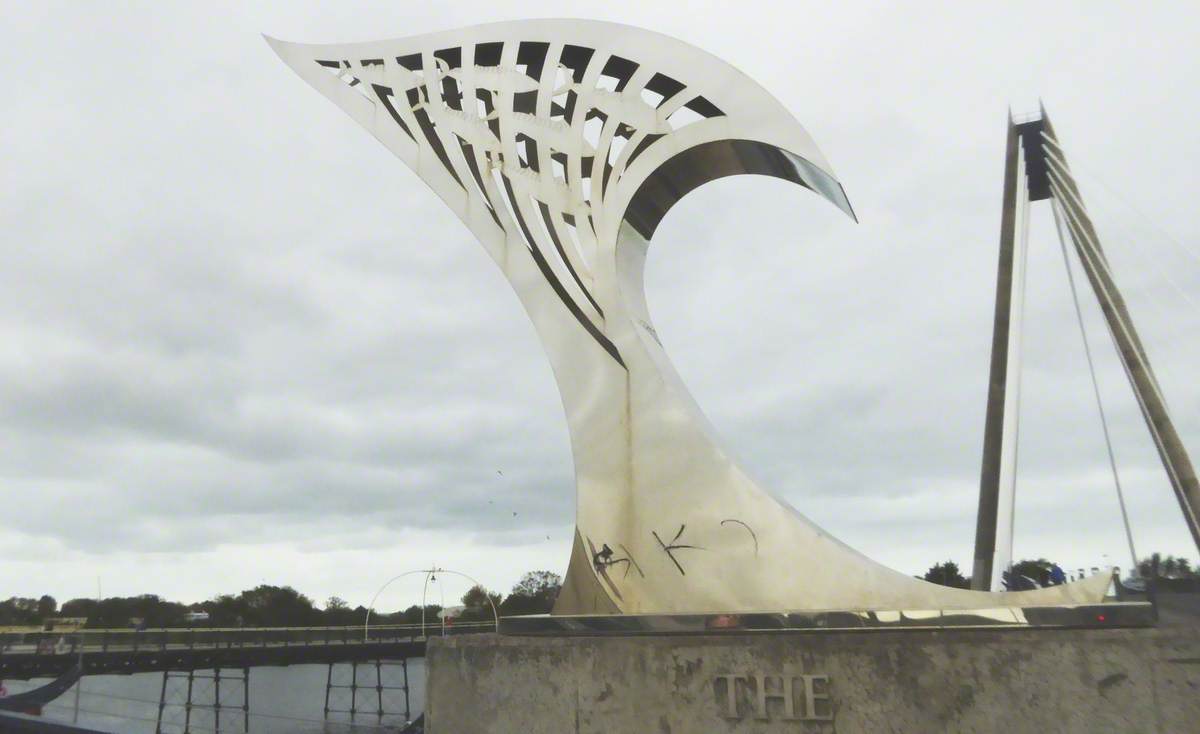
561	145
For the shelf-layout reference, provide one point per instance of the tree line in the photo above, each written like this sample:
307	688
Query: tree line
273	606
1156	565
283	606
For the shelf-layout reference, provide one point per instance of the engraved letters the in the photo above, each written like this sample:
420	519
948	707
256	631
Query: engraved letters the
798	697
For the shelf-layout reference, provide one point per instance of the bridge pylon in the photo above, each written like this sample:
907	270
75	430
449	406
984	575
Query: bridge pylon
1036	169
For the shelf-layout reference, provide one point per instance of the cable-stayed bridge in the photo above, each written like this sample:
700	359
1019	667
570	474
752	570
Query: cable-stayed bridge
1036	169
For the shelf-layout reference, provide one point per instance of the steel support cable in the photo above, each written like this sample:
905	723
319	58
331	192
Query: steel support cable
1154	409
1057	170
1112	459
1060	173
1089	263
1064	171
1064	188
1089	260
1023	207
1096	259
1191	252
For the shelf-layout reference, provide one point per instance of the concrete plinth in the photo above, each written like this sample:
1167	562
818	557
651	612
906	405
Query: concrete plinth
1113	680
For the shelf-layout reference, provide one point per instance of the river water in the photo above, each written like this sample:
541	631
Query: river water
282	700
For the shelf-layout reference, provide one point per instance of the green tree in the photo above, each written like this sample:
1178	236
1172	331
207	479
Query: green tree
1038	570
339	614
1169	567
947	574
225	610
277	606
18	610
412	615
533	594
534	583
479	603
46	607
119	611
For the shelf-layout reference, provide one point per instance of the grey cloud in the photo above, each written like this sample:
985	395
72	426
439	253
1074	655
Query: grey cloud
229	320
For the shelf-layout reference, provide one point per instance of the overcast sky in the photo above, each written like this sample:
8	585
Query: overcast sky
241	343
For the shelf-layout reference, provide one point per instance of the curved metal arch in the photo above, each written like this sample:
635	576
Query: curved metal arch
715	159
561	144
429	573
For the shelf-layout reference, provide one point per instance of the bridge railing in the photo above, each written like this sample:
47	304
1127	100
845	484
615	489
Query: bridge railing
132	640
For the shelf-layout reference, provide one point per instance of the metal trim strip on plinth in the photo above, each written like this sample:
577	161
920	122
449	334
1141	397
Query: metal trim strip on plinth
1087	616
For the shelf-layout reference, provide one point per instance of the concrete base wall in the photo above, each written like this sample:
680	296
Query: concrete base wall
1133	680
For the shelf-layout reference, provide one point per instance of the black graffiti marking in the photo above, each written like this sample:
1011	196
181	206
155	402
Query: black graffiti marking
673	546
603	560
748	529
603	557
632	561
602	569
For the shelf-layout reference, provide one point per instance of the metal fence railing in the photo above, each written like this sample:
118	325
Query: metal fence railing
129	640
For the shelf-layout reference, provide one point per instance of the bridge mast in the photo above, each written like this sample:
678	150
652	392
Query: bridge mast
1001	403
1036	169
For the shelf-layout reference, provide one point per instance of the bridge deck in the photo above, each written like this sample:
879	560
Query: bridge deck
47	654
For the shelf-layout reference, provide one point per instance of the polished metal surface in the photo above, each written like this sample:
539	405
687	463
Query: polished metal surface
1096	616
561	144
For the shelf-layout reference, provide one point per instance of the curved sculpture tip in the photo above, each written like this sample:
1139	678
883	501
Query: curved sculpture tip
280	48
290	52
823	182
837	195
